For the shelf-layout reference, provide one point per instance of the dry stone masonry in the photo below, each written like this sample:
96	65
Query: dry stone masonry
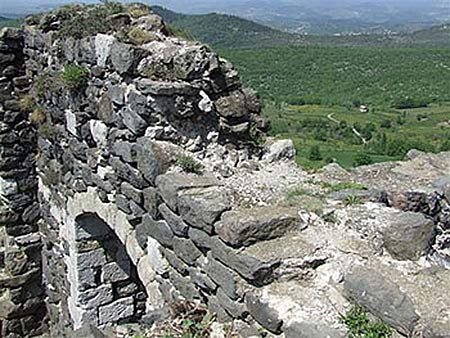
134	174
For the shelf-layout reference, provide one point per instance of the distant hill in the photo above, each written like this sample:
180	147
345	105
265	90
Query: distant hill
228	31
7	22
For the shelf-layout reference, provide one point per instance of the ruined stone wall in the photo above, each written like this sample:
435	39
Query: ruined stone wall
132	176
114	150
21	293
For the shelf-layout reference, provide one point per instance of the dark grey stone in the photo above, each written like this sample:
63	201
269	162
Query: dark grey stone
178	226
105	111
151	160
131	192
184	286
202	207
202	281
117	94
234	308
215	308
125	150
136	210
250	268
175	262
123	203
122	57
186	250
242	227
382	298
169	186
151	200
158	230
408	235
263	314
133	121
311	330
222	276
128	173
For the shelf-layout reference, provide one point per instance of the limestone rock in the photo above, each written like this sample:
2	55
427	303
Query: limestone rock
280	150
247	226
264	315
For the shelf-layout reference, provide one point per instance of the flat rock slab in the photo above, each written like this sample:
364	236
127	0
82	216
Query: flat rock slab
243	227
310	330
202	207
382	298
408	235
169	185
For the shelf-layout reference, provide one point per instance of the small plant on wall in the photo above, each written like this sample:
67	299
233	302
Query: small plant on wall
75	77
189	164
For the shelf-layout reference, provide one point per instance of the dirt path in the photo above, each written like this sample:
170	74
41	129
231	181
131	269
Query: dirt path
356	132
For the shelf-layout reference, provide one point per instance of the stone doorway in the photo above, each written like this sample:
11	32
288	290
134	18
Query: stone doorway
106	289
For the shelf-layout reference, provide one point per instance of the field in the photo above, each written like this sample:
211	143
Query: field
389	133
313	94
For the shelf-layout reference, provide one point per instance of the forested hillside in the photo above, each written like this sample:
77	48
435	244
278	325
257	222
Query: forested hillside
227	31
313	95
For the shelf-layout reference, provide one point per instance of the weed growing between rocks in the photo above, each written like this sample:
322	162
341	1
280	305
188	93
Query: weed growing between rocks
75	77
189	164
138	36
352	200
359	325
187	320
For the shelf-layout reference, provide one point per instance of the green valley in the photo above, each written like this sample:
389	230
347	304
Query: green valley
313	95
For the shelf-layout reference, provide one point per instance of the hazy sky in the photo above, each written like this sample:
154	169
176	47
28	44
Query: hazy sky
20	6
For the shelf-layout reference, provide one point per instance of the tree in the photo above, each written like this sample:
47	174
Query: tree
362	159
314	153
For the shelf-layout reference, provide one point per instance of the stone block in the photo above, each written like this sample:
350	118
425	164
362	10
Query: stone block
408	235
158	230
250	268
186	250
382	298
93	298
169	185
115	272
131	192
120	309
222	276
128	173
202	207
91	259
175	222
263	313
234	308
175	262
243	227
311	330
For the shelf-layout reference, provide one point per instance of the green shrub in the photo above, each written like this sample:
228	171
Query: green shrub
352	200
75	77
138	36
359	325
314	153
189	164
362	159
81	21
178	33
